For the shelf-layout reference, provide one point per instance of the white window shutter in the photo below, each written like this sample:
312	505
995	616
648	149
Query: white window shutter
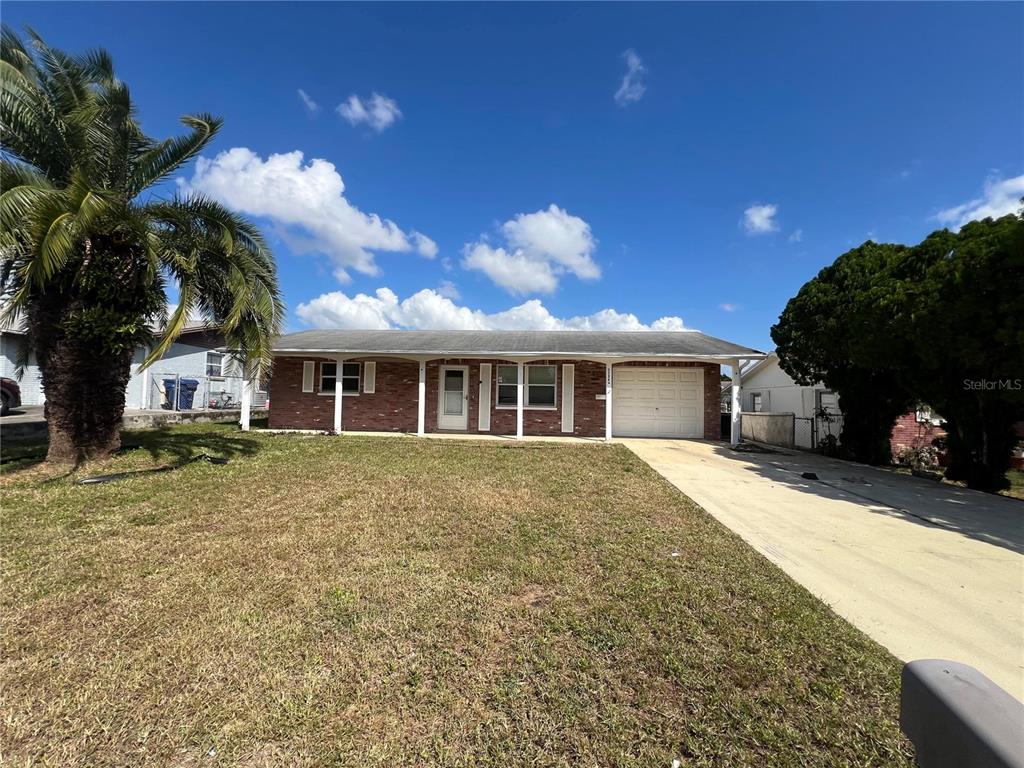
369	378
484	401
308	371
568	374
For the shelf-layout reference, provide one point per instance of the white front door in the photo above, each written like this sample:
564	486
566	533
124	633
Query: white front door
453	410
658	402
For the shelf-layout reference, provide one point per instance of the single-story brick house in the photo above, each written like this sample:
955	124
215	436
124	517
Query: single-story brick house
915	429
581	383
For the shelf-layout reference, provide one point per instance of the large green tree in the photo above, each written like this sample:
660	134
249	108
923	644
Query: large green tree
829	332
963	317
888	326
87	249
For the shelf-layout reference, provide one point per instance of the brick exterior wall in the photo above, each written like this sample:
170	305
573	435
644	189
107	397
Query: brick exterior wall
909	433
393	408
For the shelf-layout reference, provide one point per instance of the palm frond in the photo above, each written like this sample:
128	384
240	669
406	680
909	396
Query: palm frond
13	51
32	130
170	155
175	324
67	84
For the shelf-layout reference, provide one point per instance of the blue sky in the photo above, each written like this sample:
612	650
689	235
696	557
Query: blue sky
664	161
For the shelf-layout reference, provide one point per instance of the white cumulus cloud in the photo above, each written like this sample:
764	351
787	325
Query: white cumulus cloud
429	309
513	271
307	204
378	112
449	290
540	247
759	219
308	102
632	87
1001	197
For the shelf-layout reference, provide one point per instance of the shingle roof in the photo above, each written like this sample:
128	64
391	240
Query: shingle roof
477	343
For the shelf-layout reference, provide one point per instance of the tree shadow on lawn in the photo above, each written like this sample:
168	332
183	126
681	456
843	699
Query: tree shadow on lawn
185	445
179	446
21	453
993	519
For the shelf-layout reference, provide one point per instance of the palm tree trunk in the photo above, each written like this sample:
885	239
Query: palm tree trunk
85	394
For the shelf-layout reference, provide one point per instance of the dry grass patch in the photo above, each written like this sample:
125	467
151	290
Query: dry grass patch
362	601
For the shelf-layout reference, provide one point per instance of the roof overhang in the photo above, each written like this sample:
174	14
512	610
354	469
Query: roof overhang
517	356
607	346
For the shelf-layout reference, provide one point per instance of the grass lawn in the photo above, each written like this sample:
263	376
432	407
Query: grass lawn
375	601
1016	489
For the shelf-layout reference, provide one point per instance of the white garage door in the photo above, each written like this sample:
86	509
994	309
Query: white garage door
658	402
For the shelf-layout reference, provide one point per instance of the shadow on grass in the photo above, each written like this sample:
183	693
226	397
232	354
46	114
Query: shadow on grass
181	446
184	445
22	453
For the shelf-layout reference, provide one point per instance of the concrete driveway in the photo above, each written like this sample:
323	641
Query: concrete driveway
926	569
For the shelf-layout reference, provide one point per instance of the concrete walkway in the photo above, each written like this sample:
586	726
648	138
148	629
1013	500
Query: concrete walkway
926	569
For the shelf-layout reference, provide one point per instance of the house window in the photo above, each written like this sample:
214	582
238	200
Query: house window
755	402
539	386
507	377
349	378
215	364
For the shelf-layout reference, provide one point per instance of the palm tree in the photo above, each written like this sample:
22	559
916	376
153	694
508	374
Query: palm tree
86	253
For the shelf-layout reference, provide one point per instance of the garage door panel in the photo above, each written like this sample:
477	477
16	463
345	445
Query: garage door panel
639	412
652	402
636	377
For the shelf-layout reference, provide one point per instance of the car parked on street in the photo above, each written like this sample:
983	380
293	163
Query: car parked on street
10	395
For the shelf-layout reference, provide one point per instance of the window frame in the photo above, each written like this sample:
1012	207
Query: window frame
526	387
756	405
358	376
223	360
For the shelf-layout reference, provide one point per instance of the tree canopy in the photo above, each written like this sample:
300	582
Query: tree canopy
887	326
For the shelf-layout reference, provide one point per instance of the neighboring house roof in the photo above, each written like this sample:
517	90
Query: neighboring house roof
19	329
486	343
194	323
17	326
754	365
749	368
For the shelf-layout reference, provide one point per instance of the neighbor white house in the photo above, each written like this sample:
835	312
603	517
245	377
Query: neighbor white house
766	388
198	354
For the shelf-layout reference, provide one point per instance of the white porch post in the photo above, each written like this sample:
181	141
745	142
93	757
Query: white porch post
338	396
421	403
734	436
607	402
519	401
246	397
